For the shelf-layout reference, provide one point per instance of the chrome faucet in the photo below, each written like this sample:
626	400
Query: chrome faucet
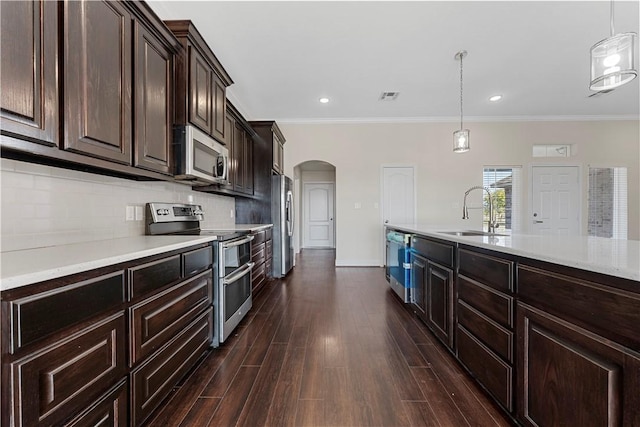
491	227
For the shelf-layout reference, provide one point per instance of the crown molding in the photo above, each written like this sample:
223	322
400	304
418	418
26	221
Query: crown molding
478	119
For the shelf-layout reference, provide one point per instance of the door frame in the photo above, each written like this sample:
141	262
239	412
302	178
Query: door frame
382	238
303	200
580	191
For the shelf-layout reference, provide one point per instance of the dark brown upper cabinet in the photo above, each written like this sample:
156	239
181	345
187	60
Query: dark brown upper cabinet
28	78
90	83
271	133
201	83
98	73
153	70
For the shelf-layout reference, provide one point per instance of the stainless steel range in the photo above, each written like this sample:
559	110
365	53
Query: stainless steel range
232	266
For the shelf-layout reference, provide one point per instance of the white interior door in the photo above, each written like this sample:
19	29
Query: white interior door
318	215
398	195
555	204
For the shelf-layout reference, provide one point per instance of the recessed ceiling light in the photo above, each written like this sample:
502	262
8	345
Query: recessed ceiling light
323	100
495	98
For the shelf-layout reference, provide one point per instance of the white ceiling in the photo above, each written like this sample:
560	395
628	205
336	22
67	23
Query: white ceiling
284	56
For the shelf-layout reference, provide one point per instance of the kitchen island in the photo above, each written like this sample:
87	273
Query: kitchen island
547	325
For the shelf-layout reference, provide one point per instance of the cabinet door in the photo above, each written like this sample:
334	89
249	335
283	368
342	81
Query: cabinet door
28	76
239	146
418	276
440	302
277	155
97	64
153	67
248	165
219	109
200	92
230	124
568	376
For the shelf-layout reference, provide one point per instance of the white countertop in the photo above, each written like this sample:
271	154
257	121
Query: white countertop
620	258
20	268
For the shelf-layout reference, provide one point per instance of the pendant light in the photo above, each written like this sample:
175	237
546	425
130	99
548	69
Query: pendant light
612	60
461	137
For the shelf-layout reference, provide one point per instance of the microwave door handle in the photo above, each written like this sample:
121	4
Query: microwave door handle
225	167
237	242
239	274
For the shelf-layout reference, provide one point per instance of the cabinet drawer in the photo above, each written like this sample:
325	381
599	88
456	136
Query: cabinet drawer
435	251
258	238
35	317
197	261
491	271
488	301
577	300
268	234
145	278
152	381
258	275
268	247
258	254
156	320
110	410
486	330
494	374
65	377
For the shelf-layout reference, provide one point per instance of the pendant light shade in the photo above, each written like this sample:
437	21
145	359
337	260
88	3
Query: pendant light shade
461	141
461	136
612	60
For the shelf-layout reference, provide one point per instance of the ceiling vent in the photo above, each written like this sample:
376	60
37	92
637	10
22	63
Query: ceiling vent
388	96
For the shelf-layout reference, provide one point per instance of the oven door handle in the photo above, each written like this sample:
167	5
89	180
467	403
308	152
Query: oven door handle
239	274
237	242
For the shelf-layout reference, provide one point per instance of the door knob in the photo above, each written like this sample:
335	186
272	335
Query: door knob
386	221
537	222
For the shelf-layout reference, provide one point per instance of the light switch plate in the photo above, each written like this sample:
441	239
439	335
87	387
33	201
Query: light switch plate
130	213
139	213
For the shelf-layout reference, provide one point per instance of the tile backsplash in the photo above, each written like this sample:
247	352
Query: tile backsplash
47	206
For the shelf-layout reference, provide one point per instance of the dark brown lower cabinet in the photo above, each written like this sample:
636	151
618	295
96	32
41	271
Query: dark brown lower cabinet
261	256
440	300
152	381
418	281
111	410
569	376
65	377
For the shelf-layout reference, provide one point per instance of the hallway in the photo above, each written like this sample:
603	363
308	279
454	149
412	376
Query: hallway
329	346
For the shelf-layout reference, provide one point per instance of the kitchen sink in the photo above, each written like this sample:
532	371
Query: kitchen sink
470	233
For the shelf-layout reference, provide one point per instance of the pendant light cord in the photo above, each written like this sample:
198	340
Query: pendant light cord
611	24
461	92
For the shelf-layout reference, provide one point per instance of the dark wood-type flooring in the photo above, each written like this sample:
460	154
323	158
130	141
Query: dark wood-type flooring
329	346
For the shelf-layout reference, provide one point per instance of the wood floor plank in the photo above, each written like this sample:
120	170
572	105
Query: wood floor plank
282	411
258	402
445	409
223	377
232	403
261	345
201	412
310	413
420	414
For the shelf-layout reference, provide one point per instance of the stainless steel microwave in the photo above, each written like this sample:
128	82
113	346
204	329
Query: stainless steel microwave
199	158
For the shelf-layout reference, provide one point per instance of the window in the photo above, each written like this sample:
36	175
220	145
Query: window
505	185
608	202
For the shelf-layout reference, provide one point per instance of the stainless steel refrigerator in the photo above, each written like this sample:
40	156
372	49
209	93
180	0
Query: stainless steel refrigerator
282	217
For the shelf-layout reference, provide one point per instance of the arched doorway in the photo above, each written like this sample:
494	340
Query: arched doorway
315	184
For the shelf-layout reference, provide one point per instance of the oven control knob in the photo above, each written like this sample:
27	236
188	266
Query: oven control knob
197	212
166	212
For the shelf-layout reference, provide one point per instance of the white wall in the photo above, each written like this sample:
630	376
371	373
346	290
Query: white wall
357	150
46	206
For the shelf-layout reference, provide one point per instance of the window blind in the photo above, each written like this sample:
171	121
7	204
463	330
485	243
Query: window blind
505	184
608	202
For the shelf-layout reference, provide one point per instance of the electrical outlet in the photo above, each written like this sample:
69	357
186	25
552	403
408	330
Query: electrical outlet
375	205
358	205
139	213
129	213
231	213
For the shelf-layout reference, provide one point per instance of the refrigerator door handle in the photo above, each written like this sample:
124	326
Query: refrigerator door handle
289	213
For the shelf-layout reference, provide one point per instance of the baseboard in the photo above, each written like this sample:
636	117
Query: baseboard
357	263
